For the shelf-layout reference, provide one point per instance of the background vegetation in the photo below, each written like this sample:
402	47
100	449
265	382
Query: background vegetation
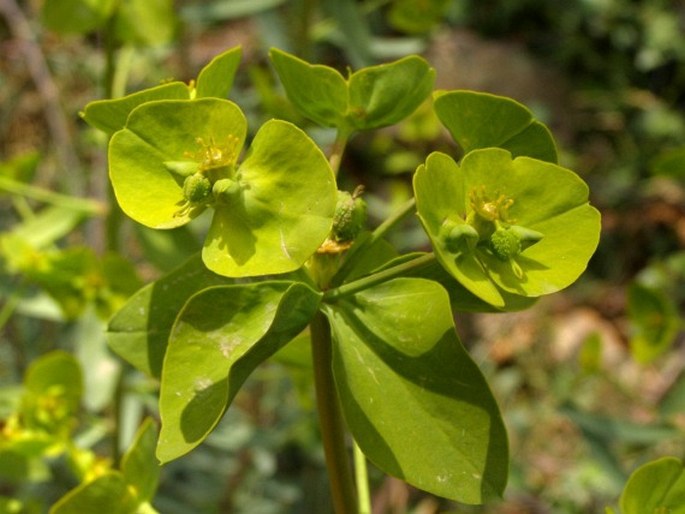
590	380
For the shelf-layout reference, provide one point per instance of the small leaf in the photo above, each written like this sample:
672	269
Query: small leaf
108	493
655	322
140	330
139	466
481	120
110	115
385	94
318	92
220	337
216	79
655	488
373	97
416	403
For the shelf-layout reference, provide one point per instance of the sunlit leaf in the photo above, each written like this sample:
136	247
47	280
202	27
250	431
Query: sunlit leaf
139	466
655	488
139	332
462	206
481	120
216	78
222	334
416	403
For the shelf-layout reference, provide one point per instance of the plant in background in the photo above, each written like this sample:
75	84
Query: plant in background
287	253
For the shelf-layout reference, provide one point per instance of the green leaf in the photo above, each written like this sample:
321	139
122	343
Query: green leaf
48	225
416	403
211	12
216	78
146	22
481	120
417	17
372	97
286	210
139	466
352	30
163	132
110	115
657	487
318	92
654	320
220	337
108	493
139	332
385	94
538	196
76	16
670	163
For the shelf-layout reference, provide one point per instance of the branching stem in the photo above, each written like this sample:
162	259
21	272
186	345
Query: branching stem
356	286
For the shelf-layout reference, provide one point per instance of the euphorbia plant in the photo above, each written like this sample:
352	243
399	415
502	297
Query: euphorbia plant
286	253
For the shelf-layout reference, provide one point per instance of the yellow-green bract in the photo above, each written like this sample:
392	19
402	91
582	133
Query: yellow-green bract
552	230
271	211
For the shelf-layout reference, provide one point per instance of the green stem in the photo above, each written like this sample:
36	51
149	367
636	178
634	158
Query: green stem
362	479
356	286
397	217
338	149
115	216
331	420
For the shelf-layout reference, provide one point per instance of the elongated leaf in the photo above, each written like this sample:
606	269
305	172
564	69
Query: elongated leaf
481	120
110	115
221	336
655	488
49	225
414	400
108	493
140	330
139	467
216	79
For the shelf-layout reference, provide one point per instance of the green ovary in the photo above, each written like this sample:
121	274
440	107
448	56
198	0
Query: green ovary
490	220
214	176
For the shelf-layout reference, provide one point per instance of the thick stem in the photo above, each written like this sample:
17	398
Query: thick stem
331	420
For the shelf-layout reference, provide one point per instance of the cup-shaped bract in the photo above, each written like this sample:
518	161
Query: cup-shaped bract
176	158
522	225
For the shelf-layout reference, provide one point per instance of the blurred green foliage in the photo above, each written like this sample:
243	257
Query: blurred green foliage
578	425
